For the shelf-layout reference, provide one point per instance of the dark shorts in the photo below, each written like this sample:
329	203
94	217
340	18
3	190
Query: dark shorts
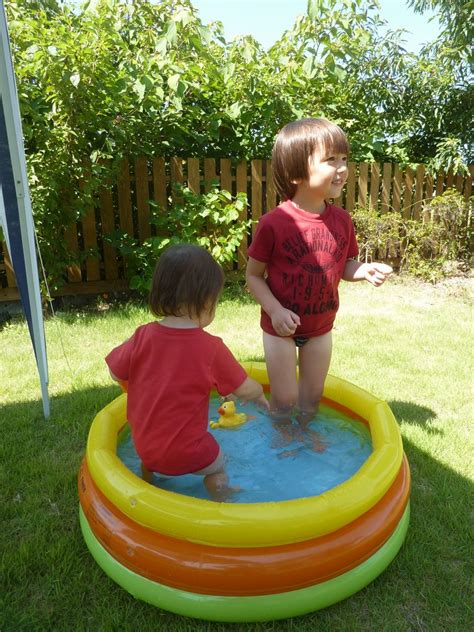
300	341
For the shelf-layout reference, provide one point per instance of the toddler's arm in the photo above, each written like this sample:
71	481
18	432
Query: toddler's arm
375	273
284	321
251	390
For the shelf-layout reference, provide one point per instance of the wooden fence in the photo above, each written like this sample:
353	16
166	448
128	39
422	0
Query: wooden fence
126	205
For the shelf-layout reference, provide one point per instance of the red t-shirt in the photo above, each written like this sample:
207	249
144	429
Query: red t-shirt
170	374
305	256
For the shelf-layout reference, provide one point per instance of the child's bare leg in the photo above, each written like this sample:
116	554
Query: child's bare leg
146	474
314	361
280	357
218	487
216	480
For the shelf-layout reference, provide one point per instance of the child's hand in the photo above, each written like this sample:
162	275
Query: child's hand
285	321
377	273
262	402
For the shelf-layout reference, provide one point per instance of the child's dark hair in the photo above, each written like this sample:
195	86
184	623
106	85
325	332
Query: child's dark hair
186	281
294	146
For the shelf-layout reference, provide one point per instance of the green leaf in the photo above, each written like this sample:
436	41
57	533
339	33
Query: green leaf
173	82
172	32
205	34
234	110
308	67
139	89
228	72
75	79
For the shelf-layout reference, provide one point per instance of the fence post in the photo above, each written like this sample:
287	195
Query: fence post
142	189
242	187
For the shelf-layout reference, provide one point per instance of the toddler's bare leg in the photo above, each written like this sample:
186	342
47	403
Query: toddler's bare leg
280	357
217	485
216	480
314	361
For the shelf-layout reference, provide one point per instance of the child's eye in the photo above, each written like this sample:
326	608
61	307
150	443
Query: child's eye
334	158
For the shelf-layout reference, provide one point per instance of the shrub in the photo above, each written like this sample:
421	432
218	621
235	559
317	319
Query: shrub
216	220
377	233
423	247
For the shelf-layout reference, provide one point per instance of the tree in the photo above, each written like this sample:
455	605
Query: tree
114	78
455	16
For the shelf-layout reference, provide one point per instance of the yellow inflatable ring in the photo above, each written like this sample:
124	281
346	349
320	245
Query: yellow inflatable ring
250	524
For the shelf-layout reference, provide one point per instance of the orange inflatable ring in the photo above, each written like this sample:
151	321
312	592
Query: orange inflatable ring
229	571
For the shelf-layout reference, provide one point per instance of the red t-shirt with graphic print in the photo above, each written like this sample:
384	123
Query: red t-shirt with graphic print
305	255
170	374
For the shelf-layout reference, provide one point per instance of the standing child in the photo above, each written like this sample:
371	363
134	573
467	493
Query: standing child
171	367
300	252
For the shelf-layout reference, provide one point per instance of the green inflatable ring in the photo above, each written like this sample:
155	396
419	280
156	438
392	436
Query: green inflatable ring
254	608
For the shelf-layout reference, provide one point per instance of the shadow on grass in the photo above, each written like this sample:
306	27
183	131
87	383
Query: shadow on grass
50	581
408	412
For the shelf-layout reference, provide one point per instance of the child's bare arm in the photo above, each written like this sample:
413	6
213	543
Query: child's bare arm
284	321
251	390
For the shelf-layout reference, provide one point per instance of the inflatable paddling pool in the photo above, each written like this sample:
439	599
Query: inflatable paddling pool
250	561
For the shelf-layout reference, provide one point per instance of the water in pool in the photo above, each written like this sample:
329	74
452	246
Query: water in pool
269	465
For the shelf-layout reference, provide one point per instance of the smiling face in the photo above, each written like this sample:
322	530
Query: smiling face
327	174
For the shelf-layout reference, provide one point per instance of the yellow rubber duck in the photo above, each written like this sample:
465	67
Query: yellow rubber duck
229	418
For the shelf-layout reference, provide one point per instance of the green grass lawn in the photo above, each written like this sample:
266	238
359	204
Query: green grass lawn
406	342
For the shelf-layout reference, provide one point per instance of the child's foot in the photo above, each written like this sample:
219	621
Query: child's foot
223	495
289	453
318	444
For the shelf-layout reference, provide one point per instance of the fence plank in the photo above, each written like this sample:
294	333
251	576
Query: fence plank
177	177
74	274
429	187
374	184
440	183
468	185
459	183
124	198
350	187
428	196
386	182
160	194
176	169
397	188
209	173
419	182
194	177
408	193
242	187
271	194
363	177
256	192
142	187
449	179
108	226
89	232
226	174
